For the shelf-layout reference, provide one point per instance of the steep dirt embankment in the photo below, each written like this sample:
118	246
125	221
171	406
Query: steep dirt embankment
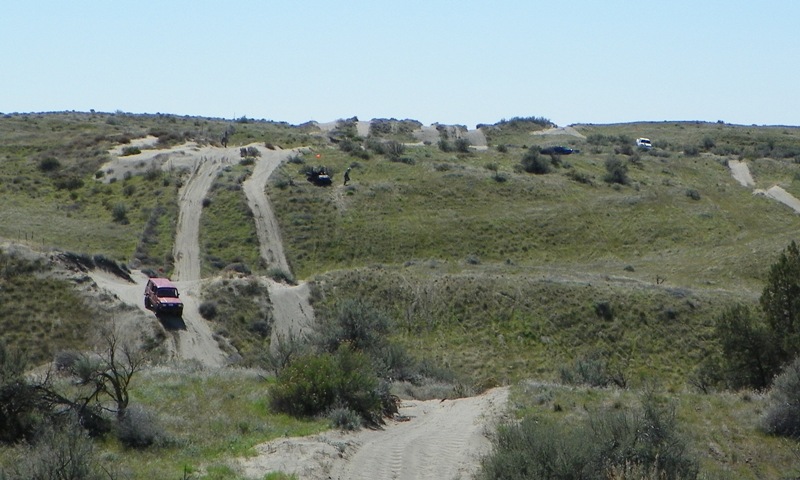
434	439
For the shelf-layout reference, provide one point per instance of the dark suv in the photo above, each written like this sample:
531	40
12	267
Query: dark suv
161	296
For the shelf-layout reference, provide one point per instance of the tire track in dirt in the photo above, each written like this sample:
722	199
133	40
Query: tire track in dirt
192	336
269	237
190	203
429	440
291	311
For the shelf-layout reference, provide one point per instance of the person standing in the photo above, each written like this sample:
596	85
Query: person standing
347	175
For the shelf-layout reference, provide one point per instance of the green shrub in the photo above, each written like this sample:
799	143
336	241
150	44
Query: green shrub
353	322
313	385
281	275
345	419
49	164
748	349
62	451
644	440
445	146
591	370
208	309
130	150
462	145
782	418
534	162
395	148
139	428
616	171
780	301
120	213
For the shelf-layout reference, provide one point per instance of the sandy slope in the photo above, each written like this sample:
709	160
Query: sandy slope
192	336
741	173
571	131
435	439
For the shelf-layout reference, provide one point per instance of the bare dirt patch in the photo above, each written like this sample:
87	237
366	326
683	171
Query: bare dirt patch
570	131
434	439
741	173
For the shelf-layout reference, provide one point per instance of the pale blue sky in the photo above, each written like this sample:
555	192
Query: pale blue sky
435	61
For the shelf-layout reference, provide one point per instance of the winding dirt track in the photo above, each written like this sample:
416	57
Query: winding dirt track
437	439
269	237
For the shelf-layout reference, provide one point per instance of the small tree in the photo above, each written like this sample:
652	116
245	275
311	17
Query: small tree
109	374
780	301
748	349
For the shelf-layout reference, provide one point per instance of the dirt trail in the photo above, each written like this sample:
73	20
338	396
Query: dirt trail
571	131
190	203
439	439
292	313
741	173
193	338
269	237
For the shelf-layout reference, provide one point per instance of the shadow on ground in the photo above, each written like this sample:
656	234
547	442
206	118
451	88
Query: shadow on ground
172	322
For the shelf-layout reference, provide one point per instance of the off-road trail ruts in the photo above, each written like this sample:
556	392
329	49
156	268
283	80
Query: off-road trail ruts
190	203
192	335
436	439
291	311
431	440
269	238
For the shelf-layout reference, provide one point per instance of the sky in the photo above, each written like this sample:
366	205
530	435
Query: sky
437	61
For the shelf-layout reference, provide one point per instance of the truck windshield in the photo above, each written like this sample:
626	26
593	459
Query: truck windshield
167	292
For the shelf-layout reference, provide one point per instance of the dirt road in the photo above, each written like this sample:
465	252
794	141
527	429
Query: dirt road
438	439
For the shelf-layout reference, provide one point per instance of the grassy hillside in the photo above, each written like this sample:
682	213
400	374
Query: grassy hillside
498	274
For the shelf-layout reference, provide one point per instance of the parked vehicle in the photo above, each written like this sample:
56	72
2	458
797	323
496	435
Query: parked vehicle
320	177
162	297
558	150
643	143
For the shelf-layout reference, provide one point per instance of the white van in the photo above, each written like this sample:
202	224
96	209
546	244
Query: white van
644	143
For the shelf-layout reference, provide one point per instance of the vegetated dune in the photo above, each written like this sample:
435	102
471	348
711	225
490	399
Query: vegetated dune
429	440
